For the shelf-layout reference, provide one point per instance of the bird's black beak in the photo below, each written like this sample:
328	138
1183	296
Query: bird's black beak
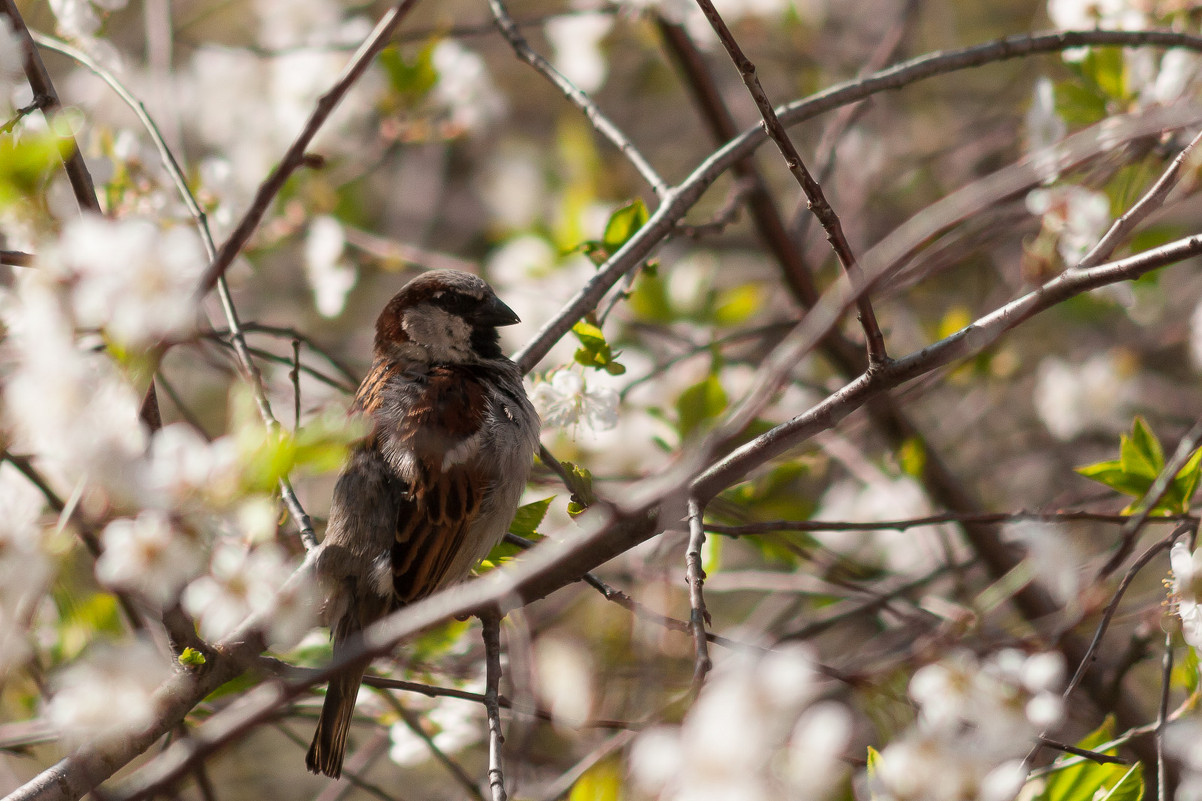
495	313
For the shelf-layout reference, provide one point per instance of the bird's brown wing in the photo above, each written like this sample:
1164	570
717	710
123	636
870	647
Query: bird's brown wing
436	515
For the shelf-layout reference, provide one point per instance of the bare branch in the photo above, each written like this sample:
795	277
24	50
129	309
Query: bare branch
294	158
695	576
818	204
491	626
601	123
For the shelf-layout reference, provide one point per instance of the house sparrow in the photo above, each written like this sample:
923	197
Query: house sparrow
434	484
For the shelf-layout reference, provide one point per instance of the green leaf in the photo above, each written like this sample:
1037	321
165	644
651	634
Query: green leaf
1113	475
738	304
700	404
528	517
1129	787
594	351
411	79
601	782
623	224
912	457
26	164
1185	483
1147	445
580	482
1082	781
1185	672
190	657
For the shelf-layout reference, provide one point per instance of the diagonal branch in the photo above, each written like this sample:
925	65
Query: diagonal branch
601	123
294	158
818	204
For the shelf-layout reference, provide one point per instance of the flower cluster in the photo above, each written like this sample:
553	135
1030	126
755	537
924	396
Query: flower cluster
754	733
977	718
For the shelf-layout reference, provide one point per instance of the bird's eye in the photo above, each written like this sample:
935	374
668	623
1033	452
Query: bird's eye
454	302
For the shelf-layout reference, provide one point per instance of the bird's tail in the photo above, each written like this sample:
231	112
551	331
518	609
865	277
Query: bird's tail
329	741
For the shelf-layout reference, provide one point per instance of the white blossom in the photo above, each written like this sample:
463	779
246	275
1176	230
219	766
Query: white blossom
69	407
108	694
1078	216
747	736
1051	555
148	555
452	726
243	582
330	274
977	718
184	471
576	42
130	278
1087	396
1187	586
566	400
465	89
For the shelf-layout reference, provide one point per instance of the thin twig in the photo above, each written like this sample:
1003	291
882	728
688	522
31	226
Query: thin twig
695	576
44	93
294	376
601	123
663	220
294	157
1162	716
414	723
491	627
1112	607
1092	756
992	518
17	258
1152	200
821	208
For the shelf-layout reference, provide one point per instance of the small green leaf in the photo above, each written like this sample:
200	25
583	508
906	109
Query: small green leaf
190	657
528	517
912	457
411	79
594	351
700	404
580	482
1185	484
737	305
1147	443
623	224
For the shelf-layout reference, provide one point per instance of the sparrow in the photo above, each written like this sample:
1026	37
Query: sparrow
435	482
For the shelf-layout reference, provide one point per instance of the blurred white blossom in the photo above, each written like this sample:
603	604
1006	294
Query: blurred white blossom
564	679
70	407
746	736
1093	395
242	582
977	718
452	725
465	89
566	400
1051	556
330	274
183	470
130	278
1085	15
1077	216
148	555
575	40
108	694
882	497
